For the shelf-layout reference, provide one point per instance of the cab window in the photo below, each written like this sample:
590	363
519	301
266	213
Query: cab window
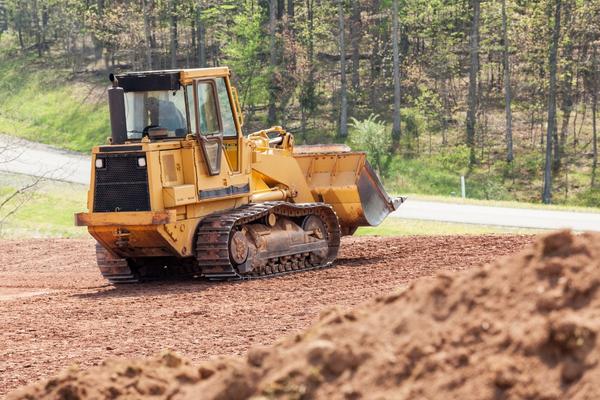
156	109
225	106
189	90
208	115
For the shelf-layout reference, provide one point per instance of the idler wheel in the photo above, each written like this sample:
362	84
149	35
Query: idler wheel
238	247
315	227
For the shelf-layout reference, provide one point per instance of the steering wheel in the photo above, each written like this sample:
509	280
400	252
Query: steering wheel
146	129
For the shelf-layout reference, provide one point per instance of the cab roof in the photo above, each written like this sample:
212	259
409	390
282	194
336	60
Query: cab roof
166	79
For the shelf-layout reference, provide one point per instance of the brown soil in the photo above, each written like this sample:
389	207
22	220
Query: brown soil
56	311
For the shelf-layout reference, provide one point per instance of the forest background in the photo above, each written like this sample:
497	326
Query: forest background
503	92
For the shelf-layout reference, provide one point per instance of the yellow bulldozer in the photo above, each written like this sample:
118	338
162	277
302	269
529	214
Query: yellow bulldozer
180	191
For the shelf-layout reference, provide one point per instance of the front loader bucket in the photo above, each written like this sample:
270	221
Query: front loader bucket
345	180
376	203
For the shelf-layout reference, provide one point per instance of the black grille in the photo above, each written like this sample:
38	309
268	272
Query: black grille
121	185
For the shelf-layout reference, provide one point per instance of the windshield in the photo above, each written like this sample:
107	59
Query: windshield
163	111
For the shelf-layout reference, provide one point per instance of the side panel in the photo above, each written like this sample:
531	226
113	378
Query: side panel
277	167
212	193
177	182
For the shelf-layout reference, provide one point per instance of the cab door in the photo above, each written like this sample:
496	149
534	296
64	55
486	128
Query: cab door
231	131
215	118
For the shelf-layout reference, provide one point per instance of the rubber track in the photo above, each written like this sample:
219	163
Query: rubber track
212	244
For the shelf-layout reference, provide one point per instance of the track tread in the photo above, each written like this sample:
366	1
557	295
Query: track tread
114	269
216	265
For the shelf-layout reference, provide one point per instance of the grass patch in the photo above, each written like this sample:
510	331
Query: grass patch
393	226
47	210
437	177
44	104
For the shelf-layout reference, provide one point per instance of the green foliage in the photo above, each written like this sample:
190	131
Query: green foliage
440	175
589	198
46	38
9	44
454	159
39	106
422	175
530	164
486	186
413	126
246	44
372	136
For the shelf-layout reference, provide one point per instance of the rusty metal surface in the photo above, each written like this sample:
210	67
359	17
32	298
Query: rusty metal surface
114	269
125	218
321	149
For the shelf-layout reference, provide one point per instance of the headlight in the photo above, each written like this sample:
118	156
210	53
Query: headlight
99	163
142	162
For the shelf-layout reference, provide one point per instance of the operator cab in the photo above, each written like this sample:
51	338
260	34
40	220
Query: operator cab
169	105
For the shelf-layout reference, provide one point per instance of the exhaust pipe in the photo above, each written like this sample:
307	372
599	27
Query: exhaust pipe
116	107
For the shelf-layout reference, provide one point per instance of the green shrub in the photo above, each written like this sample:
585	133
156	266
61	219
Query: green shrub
485	186
413	126
422	175
530	164
589	198
372	136
454	159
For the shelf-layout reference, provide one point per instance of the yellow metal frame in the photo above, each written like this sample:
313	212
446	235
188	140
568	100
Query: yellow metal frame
182	191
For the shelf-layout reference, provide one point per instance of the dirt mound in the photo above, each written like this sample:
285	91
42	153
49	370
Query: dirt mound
523	327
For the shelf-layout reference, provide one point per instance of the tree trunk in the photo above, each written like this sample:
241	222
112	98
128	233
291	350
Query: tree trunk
98	46
44	27
566	104
280	9
355	32
594	138
173	26
343	130
273	60
591	83
20	35
375	58
147	33
551	128
307	100
3	17
200	37
396	129
473	72
36	27
290	10
507	88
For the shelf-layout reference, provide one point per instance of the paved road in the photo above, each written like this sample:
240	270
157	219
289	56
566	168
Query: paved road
25	157
498	216
37	159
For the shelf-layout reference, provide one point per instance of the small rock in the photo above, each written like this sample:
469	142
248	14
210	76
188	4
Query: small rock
205	372
571	370
256	356
171	360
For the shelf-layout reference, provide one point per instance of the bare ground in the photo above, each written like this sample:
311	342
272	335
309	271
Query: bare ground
56	310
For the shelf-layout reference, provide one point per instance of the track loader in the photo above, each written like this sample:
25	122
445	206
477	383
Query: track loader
180	191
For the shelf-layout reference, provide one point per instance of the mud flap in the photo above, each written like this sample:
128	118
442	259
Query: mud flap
376	203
